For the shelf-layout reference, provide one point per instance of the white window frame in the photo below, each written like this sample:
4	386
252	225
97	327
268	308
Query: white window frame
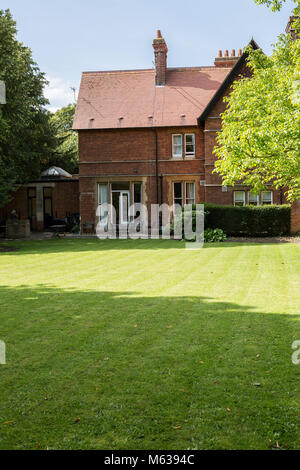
257	199
244	198
262	200
194	192
177	155
190	154
103	211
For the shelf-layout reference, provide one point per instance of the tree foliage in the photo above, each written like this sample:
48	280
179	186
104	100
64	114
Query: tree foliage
65	154
260	139
26	137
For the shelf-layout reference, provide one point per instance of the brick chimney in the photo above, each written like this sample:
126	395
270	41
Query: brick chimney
290	30
160	52
226	60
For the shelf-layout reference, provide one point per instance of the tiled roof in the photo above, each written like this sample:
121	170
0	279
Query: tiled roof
128	99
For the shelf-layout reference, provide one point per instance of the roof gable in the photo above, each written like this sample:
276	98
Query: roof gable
227	82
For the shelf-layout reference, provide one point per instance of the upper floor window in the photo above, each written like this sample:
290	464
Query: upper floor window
267	198
184	145
239	198
190	145
177	146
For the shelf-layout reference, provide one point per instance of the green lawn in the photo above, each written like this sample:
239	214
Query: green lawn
145	345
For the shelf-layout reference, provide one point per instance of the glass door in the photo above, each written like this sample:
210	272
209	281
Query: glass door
124	203
121	201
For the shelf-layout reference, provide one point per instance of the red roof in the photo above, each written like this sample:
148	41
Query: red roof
127	99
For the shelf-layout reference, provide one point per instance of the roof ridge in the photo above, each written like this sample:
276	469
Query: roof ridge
178	69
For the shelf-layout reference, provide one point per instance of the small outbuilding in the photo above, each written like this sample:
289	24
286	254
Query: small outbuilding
55	195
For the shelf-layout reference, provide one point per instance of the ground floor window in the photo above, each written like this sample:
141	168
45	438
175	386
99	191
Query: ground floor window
239	198
190	193
137	193
178	193
47	192
32	206
267	198
184	193
103	200
253	199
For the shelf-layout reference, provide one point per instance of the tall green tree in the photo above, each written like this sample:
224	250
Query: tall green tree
26	136
276	5
260	139
65	154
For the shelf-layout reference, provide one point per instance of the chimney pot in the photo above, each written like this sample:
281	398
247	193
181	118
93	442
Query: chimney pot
240	52
226	53
158	34
220	54
233	53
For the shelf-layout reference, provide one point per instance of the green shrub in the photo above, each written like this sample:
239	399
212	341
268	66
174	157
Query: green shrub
249	220
214	235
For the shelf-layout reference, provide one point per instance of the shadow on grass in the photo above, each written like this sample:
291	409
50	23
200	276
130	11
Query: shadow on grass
145	372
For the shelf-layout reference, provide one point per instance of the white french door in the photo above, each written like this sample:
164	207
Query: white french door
121	202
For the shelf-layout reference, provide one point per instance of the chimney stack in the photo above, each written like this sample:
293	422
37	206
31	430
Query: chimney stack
290	29
225	60
160	52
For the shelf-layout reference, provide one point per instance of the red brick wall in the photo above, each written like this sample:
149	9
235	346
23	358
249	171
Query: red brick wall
65	199
18	203
131	154
295	217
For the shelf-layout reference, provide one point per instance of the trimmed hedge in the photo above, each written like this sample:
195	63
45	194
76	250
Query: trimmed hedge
249	220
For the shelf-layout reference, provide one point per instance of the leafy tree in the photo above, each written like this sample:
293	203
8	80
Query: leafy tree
276	5
260	139
65	154
26	137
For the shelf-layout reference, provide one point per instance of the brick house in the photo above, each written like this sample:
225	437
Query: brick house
148	135
54	194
